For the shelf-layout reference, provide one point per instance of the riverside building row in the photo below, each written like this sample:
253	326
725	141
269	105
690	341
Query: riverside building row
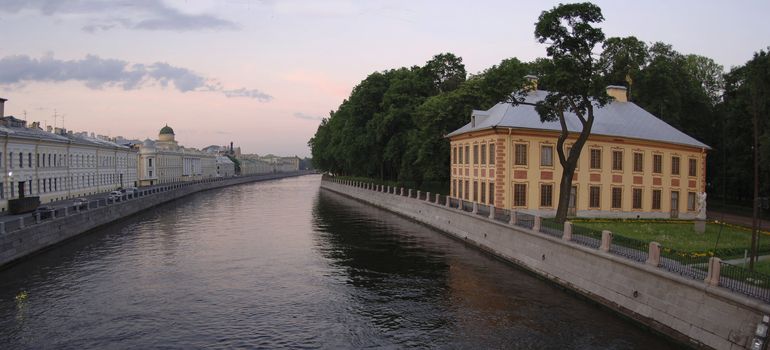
56	164
632	165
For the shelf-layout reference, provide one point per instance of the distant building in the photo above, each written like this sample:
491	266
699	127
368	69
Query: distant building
633	164
251	166
165	161
225	167
57	164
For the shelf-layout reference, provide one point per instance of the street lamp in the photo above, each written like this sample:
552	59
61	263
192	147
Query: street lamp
10	182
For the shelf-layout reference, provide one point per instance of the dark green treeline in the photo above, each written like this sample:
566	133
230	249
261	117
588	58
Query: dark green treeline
392	126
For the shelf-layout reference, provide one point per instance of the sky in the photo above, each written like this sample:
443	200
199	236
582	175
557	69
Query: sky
262	74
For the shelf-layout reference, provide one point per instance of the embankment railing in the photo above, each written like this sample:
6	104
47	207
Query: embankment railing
693	265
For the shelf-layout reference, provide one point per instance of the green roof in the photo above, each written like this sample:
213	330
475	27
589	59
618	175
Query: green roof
167	130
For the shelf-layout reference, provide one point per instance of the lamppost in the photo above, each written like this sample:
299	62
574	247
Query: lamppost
10	182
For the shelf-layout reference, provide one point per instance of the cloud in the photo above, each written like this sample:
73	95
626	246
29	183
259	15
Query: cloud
139	14
96	73
243	92
301	115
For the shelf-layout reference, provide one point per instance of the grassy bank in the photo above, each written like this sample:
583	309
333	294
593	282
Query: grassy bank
729	241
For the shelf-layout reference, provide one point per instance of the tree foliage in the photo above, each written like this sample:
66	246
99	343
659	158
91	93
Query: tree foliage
575	79
393	124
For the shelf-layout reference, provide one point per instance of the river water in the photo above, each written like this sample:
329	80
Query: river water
284	264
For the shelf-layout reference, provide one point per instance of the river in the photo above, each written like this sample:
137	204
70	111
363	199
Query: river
284	264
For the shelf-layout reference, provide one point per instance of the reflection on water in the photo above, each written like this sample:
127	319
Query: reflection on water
282	264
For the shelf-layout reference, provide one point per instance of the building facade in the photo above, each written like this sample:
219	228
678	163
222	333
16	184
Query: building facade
165	161
225	167
633	164
56	164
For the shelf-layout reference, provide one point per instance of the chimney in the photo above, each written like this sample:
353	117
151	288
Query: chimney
49	128
2	107
531	84
619	93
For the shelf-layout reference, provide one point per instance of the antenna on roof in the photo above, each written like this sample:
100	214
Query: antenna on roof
54	117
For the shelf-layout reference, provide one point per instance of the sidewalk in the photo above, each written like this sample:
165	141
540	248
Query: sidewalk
737	219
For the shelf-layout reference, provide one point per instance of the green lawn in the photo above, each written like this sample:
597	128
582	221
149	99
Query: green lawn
681	236
762	266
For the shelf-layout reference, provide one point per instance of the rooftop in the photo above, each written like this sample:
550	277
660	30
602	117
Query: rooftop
620	119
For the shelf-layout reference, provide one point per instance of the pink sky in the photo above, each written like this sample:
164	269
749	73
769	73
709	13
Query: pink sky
296	60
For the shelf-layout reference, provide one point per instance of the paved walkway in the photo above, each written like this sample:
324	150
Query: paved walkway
734	219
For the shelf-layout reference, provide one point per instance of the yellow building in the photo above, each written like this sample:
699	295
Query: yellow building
633	164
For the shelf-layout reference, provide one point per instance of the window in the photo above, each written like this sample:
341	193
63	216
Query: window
546	195
520	155
546	155
519	195
476	154
29	161
617	160
483	193
467	154
37	164
596	159
594	196
657	163
492	153
454	188
491	193
467	184
2	192
638	162
483	155
461	155
617	197
656	199
475	191
637	198
10	164
21	161
691	201
149	162
454	155
674	165
692	169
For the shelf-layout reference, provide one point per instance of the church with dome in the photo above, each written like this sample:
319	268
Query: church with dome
165	161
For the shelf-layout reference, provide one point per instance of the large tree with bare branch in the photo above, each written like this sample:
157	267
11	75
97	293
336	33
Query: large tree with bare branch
574	77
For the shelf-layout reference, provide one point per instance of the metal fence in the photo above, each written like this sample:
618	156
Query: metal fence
633	249
687	264
503	215
741	280
586	236
550	227
525	220
482	210
694	265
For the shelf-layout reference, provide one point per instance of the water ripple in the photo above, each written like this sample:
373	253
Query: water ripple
281	264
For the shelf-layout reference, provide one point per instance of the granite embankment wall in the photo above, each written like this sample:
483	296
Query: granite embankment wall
36	235
689	311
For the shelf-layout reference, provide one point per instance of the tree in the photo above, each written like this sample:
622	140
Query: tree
622	60
575	79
